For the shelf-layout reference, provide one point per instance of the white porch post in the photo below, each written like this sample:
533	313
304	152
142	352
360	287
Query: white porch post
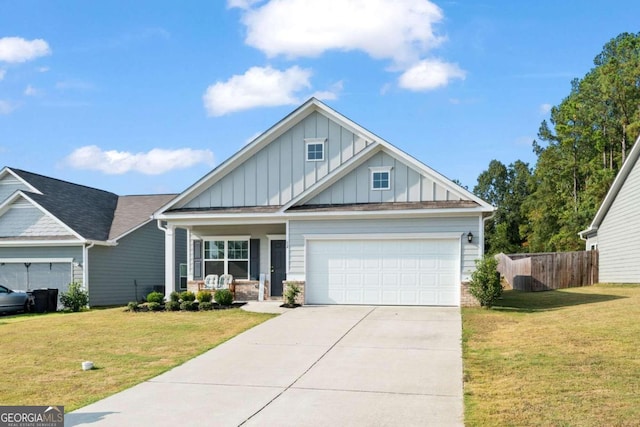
169	260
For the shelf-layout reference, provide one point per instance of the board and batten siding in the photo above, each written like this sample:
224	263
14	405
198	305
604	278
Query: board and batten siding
407	185
130	270
25	220
618	246
409	226
280	172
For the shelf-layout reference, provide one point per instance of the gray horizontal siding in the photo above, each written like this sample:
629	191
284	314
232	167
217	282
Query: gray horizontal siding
130	270
619	248
407	185
410	226
74	252
9	185
279	172
25	220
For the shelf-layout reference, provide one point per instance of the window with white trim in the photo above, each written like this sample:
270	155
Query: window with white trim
183	276
380	178
315	149
227	257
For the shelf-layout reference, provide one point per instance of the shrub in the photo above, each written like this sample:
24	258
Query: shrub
174	296
75	299
223	297
154	306
204	296
132	306
291	293
485	283
206	305
172	306
155	297
188	306
188	296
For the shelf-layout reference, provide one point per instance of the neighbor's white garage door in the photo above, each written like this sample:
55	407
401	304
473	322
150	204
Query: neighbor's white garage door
394	272
39	275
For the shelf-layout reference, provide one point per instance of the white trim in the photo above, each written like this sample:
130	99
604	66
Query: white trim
386	236
314	105
226	259
7	170
380	169
270	238
4	206
35	260
277	236
314	141
453	236
35	243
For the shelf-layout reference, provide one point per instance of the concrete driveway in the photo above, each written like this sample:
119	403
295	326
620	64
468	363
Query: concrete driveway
311	366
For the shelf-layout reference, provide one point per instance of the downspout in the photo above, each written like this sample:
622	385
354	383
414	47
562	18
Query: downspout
85	265
484	223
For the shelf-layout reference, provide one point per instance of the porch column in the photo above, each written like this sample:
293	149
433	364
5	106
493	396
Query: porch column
169	260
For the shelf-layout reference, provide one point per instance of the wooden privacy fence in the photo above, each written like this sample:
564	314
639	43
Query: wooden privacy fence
546	271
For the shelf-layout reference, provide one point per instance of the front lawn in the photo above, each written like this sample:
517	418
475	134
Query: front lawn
558	358
41	355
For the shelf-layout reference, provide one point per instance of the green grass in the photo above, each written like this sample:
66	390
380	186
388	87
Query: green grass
42	354
558	358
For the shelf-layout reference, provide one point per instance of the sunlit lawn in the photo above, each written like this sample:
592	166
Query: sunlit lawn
41	355
557	358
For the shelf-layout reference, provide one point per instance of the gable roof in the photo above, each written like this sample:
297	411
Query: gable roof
131	210
286	123
615	188
90	213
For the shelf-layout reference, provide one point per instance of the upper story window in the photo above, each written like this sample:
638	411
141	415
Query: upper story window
381	178
315	149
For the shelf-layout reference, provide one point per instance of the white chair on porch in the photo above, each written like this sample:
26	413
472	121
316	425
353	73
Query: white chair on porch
210	282
225	281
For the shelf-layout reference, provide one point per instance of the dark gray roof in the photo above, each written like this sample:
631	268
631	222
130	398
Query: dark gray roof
93	214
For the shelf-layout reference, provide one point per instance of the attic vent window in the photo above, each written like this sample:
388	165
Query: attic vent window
315	149
381	178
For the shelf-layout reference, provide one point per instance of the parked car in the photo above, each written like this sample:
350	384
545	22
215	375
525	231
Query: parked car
13	301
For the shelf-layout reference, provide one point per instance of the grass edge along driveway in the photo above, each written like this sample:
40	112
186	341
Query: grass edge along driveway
42	354
556	358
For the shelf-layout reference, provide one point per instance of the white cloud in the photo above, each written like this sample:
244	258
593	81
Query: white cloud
17	49
74	85
31	91
545	108
330	94
2	73
241	4
258	87
6	107
43	69
155	162
430	74
400	30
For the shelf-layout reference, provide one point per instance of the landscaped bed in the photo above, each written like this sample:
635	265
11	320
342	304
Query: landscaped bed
42	354
554	358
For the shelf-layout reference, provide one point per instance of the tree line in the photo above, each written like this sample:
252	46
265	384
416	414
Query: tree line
579	152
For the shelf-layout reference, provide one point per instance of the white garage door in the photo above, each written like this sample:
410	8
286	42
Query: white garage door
394	272
38	275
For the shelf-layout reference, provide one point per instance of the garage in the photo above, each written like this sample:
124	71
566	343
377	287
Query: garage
387	271
27	275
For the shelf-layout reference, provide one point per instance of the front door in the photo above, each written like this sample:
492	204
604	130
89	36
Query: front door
278	266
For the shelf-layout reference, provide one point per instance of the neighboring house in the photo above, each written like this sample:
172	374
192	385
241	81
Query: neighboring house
612	229
54	232
323	202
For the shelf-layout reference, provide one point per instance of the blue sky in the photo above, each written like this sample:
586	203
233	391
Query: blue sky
141	97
